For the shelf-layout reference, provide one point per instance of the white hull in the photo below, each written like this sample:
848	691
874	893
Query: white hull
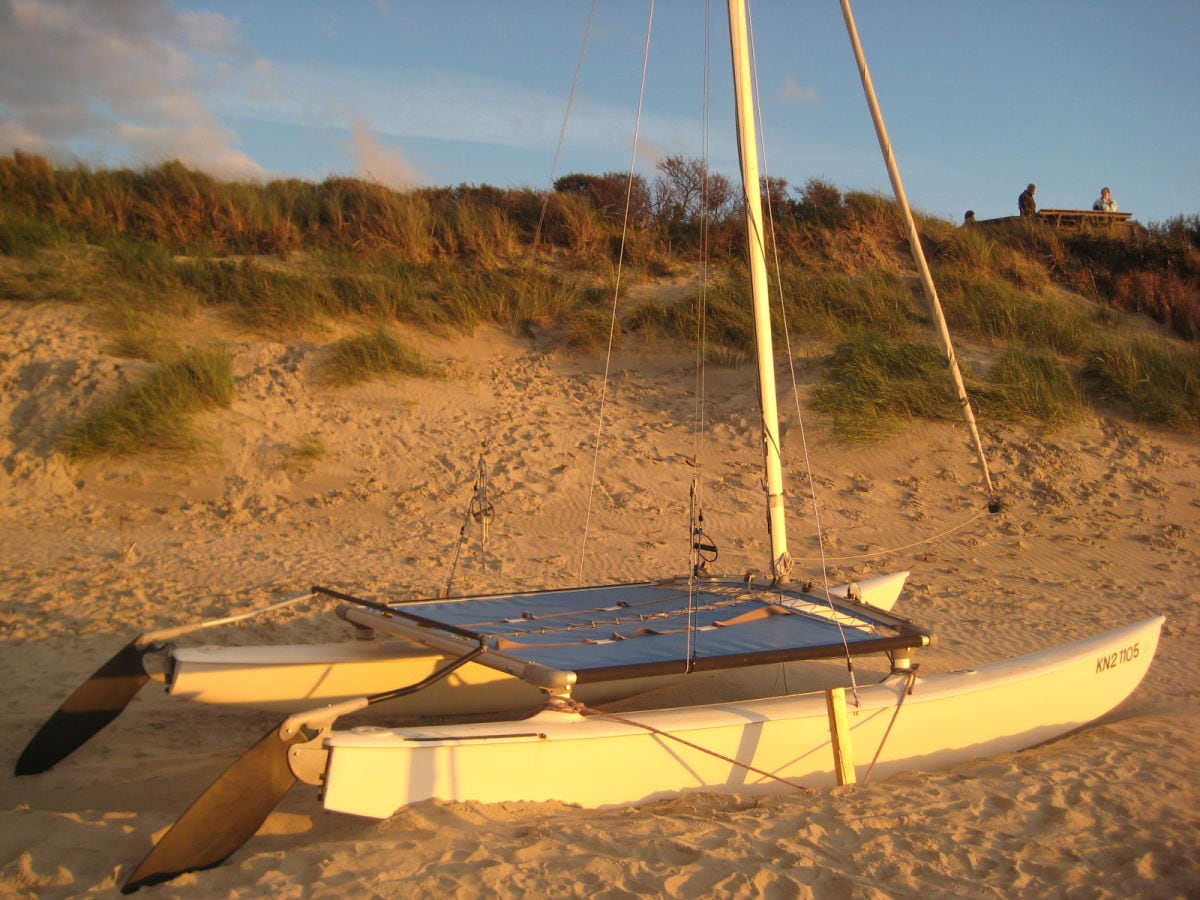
593	761
290	678
296	677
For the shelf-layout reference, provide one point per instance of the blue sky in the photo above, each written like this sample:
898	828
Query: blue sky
980	97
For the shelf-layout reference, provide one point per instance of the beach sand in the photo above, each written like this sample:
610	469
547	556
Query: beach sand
1101	527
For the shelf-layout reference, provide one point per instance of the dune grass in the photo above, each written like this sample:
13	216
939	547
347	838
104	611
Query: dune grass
981	305
1148	381
306	452
371	355
156	414
1032	386
873	384
24	235
153	248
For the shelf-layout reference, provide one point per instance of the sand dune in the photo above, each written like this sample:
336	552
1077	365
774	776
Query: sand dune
1101	527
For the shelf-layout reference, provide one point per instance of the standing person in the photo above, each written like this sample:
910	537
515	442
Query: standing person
1025	204
969	217
1106	203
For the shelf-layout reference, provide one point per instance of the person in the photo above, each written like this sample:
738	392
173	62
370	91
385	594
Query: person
1106	203
1025	204
969	217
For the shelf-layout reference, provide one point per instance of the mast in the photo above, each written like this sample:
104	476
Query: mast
781	561
918	255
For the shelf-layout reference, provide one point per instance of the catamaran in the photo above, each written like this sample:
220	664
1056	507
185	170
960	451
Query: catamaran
562	653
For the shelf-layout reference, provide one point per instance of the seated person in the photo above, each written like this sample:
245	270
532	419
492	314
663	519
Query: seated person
1106	203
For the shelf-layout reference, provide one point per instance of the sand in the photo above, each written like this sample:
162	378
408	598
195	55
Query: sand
1101	527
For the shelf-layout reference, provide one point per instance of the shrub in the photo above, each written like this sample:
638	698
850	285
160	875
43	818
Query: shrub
820	204
1183	230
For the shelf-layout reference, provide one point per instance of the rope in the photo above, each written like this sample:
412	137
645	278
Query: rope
909	684
480	509
929	540
658	732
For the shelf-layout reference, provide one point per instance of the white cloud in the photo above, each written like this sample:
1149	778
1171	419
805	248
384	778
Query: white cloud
202	148
403	104
120	80
380	163
798	94
14	134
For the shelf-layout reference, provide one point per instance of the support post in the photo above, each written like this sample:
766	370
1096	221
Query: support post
839	733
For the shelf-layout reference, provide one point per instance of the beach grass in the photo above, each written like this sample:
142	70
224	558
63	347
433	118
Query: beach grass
373	354
157	413
1148	381
304	453
154	248
873	384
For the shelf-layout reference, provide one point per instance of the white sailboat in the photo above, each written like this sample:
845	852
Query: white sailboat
291	677
571	648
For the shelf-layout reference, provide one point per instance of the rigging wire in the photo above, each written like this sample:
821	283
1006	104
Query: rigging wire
612	324
480	508
668	735
562	131
701	548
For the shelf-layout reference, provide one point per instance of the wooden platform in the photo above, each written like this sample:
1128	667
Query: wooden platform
1077	220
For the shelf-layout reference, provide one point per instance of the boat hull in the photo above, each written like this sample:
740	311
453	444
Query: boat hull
295	677
944	720
290	678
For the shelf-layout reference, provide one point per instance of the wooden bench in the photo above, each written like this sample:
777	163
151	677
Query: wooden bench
1083	218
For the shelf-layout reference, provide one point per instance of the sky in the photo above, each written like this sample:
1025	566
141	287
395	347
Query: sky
980	97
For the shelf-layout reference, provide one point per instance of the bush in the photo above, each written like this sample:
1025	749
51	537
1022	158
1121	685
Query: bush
1183	230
